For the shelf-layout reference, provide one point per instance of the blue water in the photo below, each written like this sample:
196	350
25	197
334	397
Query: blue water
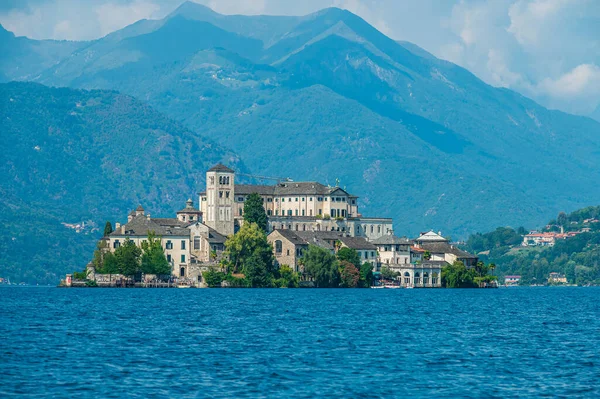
526	342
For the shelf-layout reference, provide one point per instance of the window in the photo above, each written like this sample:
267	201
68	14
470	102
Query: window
226	194
276	212
319	199
296	212
276	199
310	212
269	199
220	194
343	213
116	244
303	199
288	252
353	202
169	258
182	244
372	254
333	213
290	212
196	242
303	227
278	246
220	179
241	211
269	212
325	199
371	228
191	218
296	227
320	211
406	278
182	272
343	199
310	199
182	258
283	200
379	229
296	199
169	245
240	199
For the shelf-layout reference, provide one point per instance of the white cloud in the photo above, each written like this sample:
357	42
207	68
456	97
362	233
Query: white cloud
529	18
576	91
249	7
113	16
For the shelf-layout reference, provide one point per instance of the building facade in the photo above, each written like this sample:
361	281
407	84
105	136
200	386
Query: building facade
298	206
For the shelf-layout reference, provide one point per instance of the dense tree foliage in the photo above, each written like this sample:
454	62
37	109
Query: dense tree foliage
349	275
249	242
154	260
254	211
458	276
322	266
366	275
107	229
349	255
64	150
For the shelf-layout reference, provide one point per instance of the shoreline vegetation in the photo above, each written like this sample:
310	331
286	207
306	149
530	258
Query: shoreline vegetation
248	262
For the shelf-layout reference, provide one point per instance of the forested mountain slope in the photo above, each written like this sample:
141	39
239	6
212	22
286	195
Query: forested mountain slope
72	157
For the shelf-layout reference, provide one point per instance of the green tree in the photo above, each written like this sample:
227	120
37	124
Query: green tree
154	260
213	278
99	254
256	272
287	277
388	274
366	275
458	276
254	211
128	258
107	229
322	266
349	274
111	264
349	255
248	241
562	220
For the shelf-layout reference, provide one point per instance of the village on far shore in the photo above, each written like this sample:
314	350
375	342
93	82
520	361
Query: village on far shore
299	215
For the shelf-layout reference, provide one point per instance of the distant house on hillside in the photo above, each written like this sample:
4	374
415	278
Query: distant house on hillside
557	278
536	239
512	280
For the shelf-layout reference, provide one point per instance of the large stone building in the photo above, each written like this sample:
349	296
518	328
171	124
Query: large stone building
298	206
289	246
299	214
190	246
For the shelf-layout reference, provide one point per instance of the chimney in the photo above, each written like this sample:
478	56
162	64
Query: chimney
123	229
148	216
117	226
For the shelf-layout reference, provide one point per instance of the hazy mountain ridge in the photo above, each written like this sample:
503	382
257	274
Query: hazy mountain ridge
419	139
72	156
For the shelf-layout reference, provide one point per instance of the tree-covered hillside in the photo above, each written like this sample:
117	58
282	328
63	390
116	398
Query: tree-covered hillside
577	257
327	96
70	157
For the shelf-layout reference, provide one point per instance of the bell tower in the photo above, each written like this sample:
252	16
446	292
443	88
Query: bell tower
219	197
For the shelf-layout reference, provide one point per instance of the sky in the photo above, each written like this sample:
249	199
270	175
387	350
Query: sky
548	50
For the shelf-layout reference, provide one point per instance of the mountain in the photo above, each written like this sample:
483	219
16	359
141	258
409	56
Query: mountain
83	157
327	96
23	59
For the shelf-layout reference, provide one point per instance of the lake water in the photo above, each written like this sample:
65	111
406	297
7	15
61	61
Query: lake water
526	342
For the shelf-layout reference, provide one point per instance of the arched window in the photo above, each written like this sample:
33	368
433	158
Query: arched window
182	272
406	278
220	179
434	278
425	277
278	246
417	278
